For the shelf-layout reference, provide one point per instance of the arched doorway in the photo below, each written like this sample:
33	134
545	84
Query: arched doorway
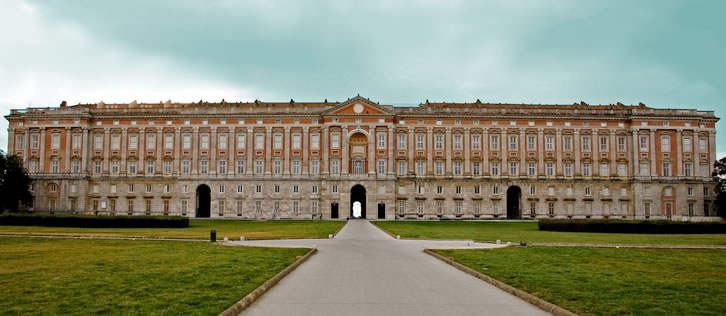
203	200
514	194
358	194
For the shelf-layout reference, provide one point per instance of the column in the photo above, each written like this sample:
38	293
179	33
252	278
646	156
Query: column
613	152
391	147
213	152
372	145
26	147
558	152
41	163
678	160
159	150
576	149
141	164
11	142
268	150
653	170
467	161
124	137
411	149
634	151
504	149
249	148
177	151
429	143
231	152
305	151
84	150
447	151
195	150
106	147
324	148
286	144
66	156
540	152
344	145
711	150
522	152
486	169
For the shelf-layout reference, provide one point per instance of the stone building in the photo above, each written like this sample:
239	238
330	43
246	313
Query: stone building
314	160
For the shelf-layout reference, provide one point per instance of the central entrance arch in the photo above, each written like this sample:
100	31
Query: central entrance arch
203	200
358	194
514	194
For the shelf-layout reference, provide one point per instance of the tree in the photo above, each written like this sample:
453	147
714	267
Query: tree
14	183
719	175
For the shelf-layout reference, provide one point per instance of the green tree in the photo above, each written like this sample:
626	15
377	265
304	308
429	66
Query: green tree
719	175
14	183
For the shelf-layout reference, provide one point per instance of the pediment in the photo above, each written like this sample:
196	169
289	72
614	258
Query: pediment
358	106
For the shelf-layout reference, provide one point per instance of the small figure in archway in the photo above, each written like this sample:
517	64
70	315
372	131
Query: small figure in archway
357	209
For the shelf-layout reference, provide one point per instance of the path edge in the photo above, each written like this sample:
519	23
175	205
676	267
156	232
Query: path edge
250	298
529	298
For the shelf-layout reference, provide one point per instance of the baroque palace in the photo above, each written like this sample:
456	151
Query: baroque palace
316	160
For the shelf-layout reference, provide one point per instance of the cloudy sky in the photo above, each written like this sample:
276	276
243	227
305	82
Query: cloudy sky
662	53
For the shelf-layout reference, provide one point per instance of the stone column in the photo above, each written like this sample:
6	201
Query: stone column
124	136
559	148
679	154
447	151
596	153
613	152
11	142
577	146
41	163
268	150
231	152
429	143
486	169
344	147
504	149
522	152
711	149
66	155
372	146
249	148
305	150
195	151
391	147
653	158
540	152
412	148
634	154
106	147
696	153
177	151
213	152
287	143
324	147
26	147
467	161
159	150
84	150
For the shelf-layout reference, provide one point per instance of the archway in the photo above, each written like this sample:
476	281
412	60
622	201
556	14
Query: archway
358	194
514	194
203	200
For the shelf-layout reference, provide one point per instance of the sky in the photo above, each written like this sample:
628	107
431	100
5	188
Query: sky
663	53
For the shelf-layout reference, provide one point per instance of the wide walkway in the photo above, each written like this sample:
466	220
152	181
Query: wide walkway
363	271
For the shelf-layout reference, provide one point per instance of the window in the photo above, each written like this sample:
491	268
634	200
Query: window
401	207
401	167
276	188
296	141
588	191
240	166
494	144
586	169
420	207
259	141
204	141
549	143
457	168
586	144
241	141
132	167
76	166
258	188
477	189
220	204
55	141
439	142
150	141
550	169
54	166
114	167
568	169
702	145
148	188
335	166
512	142
315	141
458	205
314	207
687	169
439	207
277	166
203	166
458	189
439	168
643	144
277	141
644	169
296	166
222	165
532	190
622	170
568	142
402	141
131	188
222	141
495	168
621	144
551	209
259	165
495	190
476	168
240	207
665	143
97	142
314	189
96	166
439	190
531	169
687	147
381	166
133	142
169	142
420	141
334	189
604	144
335	140
381	140
666	169
513	168
604	170
420	168
357	167
477	207
314	167
531	143
76	142
240	188
476	142
149	167
691	209
457	142
532	208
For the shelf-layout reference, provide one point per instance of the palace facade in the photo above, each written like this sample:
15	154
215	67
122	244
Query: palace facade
315	160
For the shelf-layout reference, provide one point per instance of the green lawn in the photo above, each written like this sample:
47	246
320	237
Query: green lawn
117	277
199	229
528	231
597	281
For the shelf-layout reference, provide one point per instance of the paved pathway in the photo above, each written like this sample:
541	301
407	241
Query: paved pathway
363	271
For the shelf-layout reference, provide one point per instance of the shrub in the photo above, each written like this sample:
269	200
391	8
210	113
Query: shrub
632	227
95	221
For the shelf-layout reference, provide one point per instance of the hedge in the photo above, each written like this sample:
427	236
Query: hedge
95	221
632	226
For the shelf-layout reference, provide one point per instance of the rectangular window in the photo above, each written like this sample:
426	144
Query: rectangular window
97	166
687	146
531	169
458	206
277	166
259	141
168	142
586	169
54	166
381	140
222	165
76	143
494	142
495	168
149	167
381	166
222	138
315	141
220	204
34	141
334	189
314	207
203	166
475	168
76	166
335	166
401	206
335	140
98	142
204	142
550	169
702	145
457	168
604	170
277	141
568	143
549	143
439	207
240	166
114	167
314	189
644	169
259	166
665	143
133	142
296	141
147	207
568	169
643	143
513	168
604	144
439	142
688	169
420	207
621	144
401	167
622	170
666	169
439	168
512	142
531	143
296	166
420	141
314	167
476	142
586	144
187	142
357	167
457	142
150	141
420	168
241	141
402	141
477	189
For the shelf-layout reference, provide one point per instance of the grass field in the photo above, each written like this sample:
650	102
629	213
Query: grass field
596	281
528	231
199	229
113	277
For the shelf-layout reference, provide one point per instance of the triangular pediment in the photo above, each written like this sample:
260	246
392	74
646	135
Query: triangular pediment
358	106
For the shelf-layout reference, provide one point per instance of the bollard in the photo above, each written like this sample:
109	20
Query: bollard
226	239
398	236
330	236
242	238
213	235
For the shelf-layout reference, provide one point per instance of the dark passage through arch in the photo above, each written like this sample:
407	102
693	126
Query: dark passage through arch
203	200
358	194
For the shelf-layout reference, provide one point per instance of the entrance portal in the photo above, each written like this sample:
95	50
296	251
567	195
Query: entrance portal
381	210
203	200
514	194
333	210
358	194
